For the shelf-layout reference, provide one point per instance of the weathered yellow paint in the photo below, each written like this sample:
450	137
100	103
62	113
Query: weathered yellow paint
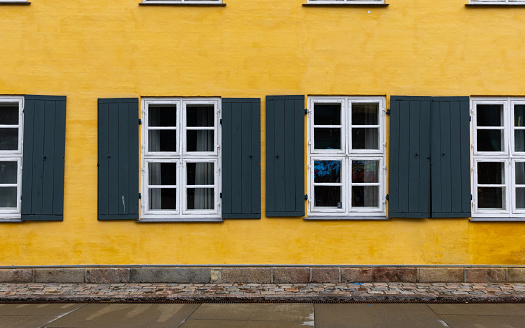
88	49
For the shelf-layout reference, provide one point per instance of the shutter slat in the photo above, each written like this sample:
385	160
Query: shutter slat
284	156
118	157
241	178
413	169
43	158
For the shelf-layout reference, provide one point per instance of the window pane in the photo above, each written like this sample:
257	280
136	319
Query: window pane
363	138
162	140
200	173
491	197
200	140
162	198
8	172
8	114
327	138
200	199
9	139
491	173
162	115
520	198
490	140
200	115
365	196
365	114
519	140
327	196
365	171
8	197
520	172
489	115
327	114
519	115
327	171
162	174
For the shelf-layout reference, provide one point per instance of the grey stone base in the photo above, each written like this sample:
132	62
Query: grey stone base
262	274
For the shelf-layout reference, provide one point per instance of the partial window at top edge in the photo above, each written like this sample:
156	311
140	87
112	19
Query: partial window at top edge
345	2
188	2
497	2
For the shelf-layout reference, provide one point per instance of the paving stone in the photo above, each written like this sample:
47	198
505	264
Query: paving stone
486	275
325	275
441	275
107	275
291	275
356	275
16	275
170	275
59	275
393	274
246	275
516	274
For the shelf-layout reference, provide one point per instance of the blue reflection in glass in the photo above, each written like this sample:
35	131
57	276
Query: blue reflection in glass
327	171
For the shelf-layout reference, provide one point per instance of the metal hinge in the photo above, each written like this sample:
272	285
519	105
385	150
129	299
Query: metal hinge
140	196
306	197
470	118
387	197
220	121
220	195
388	111
140	121
306	111
470	196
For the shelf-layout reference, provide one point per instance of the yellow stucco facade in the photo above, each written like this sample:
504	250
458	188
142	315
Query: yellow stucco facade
115	48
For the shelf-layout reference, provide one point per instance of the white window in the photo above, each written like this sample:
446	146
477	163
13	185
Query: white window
342	2
11	133
497	2
180	158
346	156
498	163
189	2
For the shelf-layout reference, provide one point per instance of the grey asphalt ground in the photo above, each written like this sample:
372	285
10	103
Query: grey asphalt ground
262	315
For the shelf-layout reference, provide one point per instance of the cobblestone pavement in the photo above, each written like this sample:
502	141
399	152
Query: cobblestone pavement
350	292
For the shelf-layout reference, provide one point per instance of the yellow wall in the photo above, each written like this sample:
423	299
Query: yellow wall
89	49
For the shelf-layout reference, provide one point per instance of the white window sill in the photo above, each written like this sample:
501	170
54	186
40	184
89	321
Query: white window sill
11	220
498	219
362	4
347	218
496	4
181	220
180	4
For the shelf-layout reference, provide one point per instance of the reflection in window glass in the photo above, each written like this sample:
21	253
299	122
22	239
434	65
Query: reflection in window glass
519	140
489	115
491	197
8	198
491	173
327	196
8	172
162	115
327	171
490	140
365	196
365	171
327	138
365	114
327	114
8	114
365	138
519	115
520	198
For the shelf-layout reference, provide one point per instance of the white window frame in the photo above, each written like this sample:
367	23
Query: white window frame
14	155
189	2
346	155
180	157
508	156
344	2
497	2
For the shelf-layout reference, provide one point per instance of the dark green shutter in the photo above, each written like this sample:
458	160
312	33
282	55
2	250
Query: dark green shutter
241	158
409	165
118	159
285	156
43	158
450	152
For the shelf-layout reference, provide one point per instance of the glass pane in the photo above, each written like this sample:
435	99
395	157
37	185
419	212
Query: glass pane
200	199
162	140
327	114
9	115
520	172
327	138
520	198
327	171
200	115
519	140
162	174
9	139
365	171
519	115
489	115
8	172
327	196
165	115
200	140
8	197
490	140
365	196
365	114
162	198
364	138
200	173
491	173
491	197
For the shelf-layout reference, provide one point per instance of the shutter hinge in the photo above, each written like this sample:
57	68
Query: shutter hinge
98	164
140	196
220	195
387	197
220	121
306	111
140	121
306	197
388	111
470	196
470	118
